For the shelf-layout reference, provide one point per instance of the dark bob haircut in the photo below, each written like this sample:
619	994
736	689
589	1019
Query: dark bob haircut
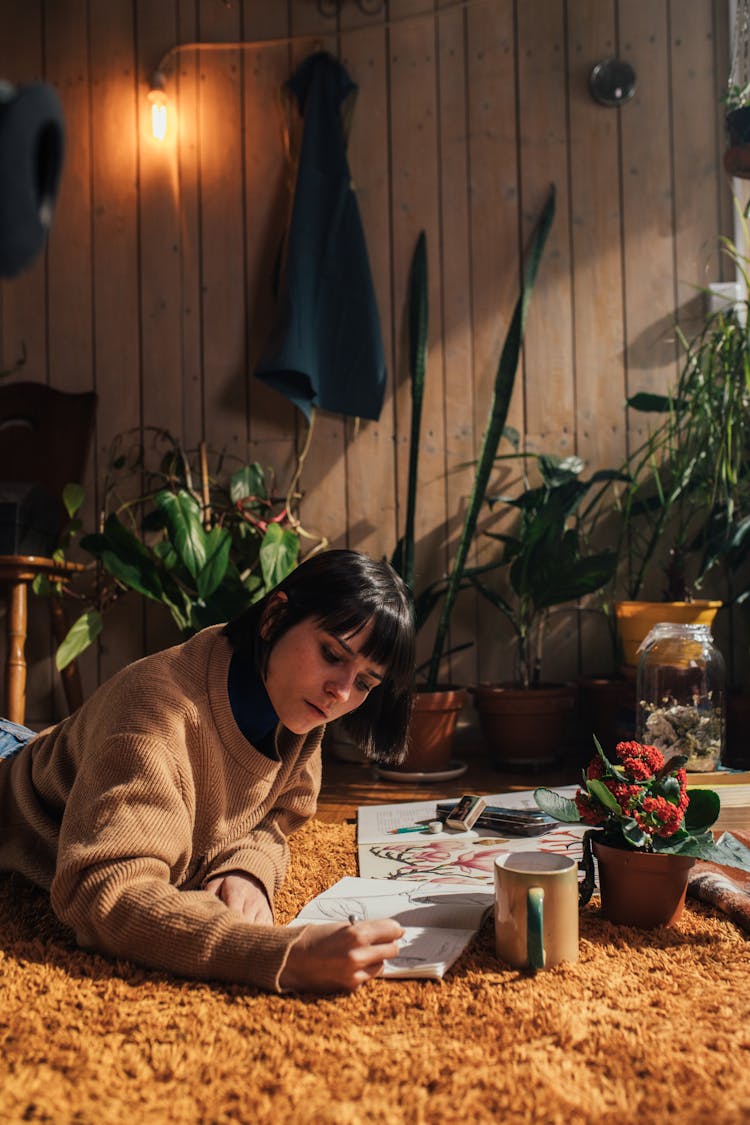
344	591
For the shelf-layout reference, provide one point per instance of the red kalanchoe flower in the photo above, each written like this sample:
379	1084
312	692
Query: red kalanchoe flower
658	817
590	812
639	761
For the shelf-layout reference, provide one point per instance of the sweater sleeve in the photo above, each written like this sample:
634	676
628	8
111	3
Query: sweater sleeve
125	837
264	851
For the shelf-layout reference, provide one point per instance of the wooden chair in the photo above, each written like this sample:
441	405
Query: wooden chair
45	436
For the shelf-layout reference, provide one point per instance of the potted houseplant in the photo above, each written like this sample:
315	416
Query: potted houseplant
545	567
686	508
437	706
736	101
202	544
646	832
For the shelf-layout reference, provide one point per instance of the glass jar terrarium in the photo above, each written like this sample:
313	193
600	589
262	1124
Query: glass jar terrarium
681	694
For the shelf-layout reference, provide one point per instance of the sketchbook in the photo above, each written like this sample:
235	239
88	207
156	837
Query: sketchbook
439	921
450	857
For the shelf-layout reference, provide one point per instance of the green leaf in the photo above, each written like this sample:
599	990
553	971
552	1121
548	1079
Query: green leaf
633	834
279	552
73	496
603	795
218	546
248	481
185	529
703	810
80	635
557	806
125	558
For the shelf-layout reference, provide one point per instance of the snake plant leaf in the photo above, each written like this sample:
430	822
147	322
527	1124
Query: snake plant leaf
278	554
83	632
498	413
418	327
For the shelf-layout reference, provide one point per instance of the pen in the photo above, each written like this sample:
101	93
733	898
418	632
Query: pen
413	828
352	919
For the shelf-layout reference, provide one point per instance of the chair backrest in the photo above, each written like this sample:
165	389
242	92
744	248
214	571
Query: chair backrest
45	434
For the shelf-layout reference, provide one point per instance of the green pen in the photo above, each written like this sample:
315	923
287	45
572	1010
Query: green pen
433	826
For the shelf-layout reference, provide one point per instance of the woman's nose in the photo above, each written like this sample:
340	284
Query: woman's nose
340	688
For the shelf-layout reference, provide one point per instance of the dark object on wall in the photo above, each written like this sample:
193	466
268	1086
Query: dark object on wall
737	156
32	142
29	519
612	82
326	347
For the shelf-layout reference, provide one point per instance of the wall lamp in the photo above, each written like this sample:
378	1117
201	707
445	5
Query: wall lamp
158	101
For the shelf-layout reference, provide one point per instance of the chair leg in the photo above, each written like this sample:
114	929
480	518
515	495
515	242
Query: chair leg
70	676
15	666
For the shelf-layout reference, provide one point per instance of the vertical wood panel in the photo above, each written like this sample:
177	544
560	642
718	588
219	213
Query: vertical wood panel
415	206
495	247
271	417
222	233
371	495
114	91
455	298
596	272
69	286
323	480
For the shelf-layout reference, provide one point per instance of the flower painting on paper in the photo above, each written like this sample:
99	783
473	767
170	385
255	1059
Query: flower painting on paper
458	860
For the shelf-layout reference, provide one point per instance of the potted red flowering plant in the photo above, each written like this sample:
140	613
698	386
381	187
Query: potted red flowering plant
647	830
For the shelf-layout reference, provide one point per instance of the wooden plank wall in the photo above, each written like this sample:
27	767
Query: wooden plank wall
154	290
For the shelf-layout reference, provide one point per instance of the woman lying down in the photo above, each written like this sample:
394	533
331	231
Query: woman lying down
157	815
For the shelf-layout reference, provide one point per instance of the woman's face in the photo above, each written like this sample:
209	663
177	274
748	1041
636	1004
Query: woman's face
314	676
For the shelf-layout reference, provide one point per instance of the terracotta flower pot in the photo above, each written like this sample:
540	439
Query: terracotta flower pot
643	889
635	620
432	731
523	727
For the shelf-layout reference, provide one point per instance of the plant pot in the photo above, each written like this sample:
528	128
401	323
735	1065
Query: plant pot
523	727
635	620
606	708
737	749
432	730
643	889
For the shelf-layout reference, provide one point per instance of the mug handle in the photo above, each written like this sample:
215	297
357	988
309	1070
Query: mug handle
535	928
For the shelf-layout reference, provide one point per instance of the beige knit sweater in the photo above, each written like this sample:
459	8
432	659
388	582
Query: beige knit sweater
127	808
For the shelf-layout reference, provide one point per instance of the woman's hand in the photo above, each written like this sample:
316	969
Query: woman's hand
339	958
245	894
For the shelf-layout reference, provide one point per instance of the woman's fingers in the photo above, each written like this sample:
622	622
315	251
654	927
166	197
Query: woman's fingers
334	958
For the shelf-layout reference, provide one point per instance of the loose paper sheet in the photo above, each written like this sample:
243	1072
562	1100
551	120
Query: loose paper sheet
438	921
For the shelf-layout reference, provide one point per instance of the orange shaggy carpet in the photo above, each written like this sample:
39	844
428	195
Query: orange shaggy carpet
647	1028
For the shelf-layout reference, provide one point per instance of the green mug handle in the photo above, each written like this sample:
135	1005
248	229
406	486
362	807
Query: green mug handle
535	928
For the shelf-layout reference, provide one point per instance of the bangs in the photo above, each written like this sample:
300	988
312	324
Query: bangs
390	641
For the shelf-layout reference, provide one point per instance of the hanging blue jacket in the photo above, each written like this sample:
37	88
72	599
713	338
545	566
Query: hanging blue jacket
326	348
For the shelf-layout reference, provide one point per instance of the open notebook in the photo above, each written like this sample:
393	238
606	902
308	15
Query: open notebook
439	921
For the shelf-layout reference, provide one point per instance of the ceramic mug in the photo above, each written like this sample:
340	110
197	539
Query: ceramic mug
536	909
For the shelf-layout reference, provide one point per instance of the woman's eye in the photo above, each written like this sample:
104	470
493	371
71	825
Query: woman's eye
329	655
362	685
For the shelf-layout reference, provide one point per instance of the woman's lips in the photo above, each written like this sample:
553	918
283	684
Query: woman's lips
318	710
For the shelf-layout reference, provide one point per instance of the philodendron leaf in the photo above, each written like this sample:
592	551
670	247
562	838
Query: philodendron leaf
561	808
218	545
80	635
183	515
278	554
73	496
703	810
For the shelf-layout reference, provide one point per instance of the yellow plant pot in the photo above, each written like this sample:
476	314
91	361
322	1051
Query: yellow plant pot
635	620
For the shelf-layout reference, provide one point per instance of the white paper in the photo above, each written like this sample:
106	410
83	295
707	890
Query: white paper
438	921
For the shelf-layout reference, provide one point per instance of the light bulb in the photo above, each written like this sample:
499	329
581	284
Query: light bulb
159	103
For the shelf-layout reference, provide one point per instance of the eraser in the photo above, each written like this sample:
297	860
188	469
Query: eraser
466	813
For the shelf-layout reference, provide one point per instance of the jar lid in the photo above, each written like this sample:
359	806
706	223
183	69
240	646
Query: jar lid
664	629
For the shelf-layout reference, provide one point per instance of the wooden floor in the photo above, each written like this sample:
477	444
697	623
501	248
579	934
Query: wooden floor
347	785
